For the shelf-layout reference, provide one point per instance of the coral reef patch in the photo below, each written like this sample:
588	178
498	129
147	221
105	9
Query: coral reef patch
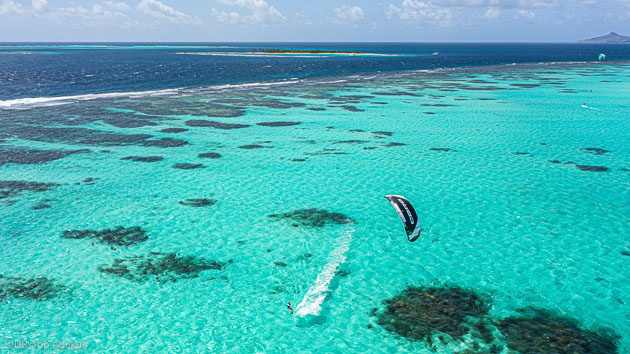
542	331
313	217
419	313
39	288
119	236
162	267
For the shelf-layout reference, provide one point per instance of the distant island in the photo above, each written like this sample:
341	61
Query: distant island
272	51
612	37
301	51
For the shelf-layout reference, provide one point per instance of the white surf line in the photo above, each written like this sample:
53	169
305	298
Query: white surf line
315	296
593	108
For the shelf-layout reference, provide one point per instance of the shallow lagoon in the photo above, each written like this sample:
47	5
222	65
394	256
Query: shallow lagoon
488	157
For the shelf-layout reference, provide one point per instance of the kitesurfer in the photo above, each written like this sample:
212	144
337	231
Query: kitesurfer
290	308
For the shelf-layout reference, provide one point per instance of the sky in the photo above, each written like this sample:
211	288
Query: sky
311	21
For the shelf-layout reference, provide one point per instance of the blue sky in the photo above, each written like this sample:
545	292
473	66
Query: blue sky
321	20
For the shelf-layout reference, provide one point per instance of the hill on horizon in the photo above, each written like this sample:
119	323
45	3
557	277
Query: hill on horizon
612	37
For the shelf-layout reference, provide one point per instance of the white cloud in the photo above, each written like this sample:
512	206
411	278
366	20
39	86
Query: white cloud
120	6
9	7
492	13
39	5
527	13
421	12
259	12
158	9
347	13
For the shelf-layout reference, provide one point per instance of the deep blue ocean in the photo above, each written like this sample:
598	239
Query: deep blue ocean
61	69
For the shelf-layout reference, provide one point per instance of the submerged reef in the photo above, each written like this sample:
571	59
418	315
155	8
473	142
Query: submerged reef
419	313
391	144
252	147
198	203
165	143
542	331
593	168
216	125
210	155
188	166
595	151
160	266
313	217
120	236
384	133
278	124
143	158
443	149
39	288
9	189
28	157
174	130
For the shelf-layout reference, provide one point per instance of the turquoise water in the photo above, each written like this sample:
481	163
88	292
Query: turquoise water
516	226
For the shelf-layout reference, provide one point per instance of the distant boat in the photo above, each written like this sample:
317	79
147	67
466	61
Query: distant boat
436	53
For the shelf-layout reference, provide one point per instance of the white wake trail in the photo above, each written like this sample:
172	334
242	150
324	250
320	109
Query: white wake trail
312	302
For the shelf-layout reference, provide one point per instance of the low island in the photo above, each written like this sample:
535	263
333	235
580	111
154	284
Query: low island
275	51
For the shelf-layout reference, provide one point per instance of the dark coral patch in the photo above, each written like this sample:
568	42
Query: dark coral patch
396	93
393	144
418	313
198	203
351	142
188	166
342	273
120	236
542	331
351	108
143	158
27	157
162	267
40	288
40	206
525	85
165	143
595	151
209	155
298	160
383	133
251	147
129	122
278	124
555	161
593	168
10	189
216	125
437	105
174	130
280	264
443	149
313	217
